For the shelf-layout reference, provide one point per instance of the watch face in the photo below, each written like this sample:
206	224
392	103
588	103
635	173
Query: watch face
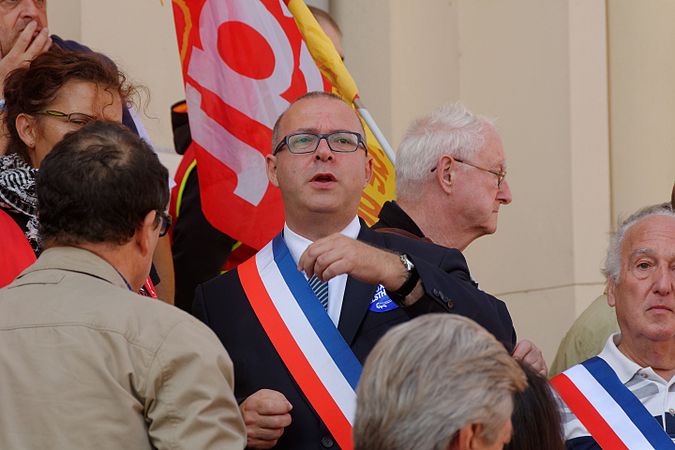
406	262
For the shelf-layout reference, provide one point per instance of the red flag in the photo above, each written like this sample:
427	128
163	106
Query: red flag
243	62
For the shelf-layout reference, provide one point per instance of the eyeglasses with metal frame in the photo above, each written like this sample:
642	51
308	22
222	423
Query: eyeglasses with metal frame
500	175
78	119
338	141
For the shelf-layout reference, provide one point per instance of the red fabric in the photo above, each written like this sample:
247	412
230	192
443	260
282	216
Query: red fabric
243	62
15	251
587	414
238	256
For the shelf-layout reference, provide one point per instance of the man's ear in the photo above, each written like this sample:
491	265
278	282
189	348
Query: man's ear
145	238
611	286
464	438
369	170
468	438
26	128
443	172
271	168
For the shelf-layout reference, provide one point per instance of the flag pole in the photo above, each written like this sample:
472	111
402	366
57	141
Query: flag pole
363	112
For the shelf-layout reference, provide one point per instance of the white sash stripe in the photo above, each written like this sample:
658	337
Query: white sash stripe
608	408
305	336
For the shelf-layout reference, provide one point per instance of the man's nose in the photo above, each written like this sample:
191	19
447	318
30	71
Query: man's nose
664	280
323	151
30	8
504	194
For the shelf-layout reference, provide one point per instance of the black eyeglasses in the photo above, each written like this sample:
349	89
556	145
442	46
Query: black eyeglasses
339	142
500	175
164	223
77	119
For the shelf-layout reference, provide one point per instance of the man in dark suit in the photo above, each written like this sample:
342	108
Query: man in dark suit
375	280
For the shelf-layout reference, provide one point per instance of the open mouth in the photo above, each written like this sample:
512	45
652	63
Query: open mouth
323	178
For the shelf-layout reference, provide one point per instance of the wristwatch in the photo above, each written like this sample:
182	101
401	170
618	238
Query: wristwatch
409	284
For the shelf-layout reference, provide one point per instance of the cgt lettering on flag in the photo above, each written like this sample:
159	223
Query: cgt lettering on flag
244	62
245	58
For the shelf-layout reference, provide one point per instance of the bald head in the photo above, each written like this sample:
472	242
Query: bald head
277	132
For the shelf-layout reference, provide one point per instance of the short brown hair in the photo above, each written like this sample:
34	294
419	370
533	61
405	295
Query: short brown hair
97	185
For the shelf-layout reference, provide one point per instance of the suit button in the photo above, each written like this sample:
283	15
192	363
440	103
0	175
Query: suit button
327	442
450	304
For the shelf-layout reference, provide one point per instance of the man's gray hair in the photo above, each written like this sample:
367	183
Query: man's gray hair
428	378
449	130
612	269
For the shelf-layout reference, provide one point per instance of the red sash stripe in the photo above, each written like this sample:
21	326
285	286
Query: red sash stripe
292	356
587	414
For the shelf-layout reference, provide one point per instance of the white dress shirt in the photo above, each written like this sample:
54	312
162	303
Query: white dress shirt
336	285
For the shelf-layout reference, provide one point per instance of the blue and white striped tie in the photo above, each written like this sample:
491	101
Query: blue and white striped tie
320	289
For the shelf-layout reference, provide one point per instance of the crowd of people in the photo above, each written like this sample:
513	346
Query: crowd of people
334	334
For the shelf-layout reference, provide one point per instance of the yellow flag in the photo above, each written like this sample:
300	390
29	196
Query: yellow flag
382	185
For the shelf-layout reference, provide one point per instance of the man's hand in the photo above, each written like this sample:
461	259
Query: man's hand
337	254
24	50
266	414
530	354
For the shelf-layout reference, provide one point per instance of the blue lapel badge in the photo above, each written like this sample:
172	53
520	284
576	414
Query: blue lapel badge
381	301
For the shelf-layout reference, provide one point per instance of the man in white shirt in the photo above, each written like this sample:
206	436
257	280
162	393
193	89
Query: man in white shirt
627	393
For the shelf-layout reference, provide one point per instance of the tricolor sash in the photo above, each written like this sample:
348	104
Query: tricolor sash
311	347
610	412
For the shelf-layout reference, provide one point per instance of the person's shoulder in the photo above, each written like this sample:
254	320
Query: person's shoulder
148	322
212	292
225	280
75	46
401	243
85	300
67	44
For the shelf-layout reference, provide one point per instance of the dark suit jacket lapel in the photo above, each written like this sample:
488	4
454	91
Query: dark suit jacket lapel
357	295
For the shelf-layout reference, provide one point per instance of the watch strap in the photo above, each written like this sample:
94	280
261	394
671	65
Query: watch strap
409	284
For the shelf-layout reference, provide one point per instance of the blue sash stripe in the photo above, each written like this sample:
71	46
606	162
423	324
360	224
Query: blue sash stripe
635	410
325	329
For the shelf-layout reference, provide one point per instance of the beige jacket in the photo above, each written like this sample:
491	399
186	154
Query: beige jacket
85	363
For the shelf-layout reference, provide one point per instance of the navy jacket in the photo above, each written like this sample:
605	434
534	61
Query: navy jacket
222	305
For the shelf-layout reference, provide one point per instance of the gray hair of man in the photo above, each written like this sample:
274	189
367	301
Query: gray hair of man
449	130
428	378
612	269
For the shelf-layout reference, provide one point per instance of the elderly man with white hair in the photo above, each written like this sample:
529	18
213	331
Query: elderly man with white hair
625	396
450	184
438	382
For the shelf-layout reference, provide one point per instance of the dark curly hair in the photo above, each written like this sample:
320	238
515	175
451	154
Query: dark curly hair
31	89
97	185
536	417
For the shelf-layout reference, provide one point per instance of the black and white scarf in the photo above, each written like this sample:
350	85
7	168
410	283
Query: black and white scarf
18	194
